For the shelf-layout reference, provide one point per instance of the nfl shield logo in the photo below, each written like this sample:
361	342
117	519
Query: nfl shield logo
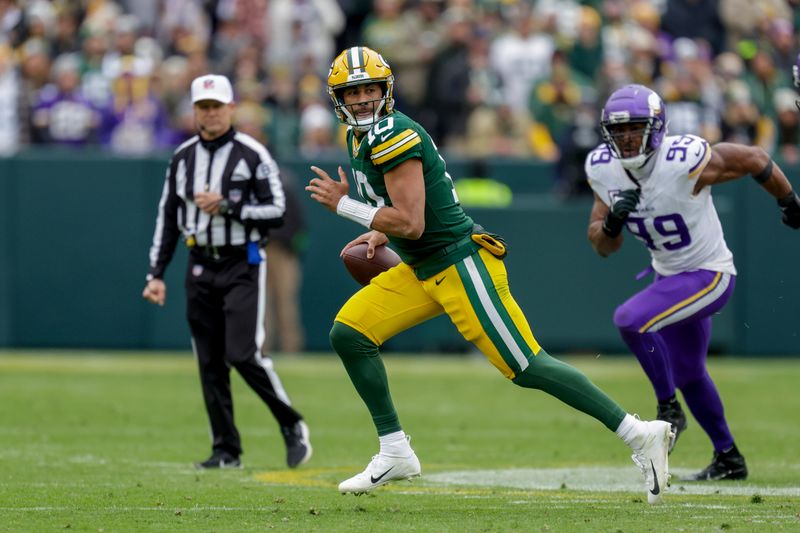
197	270
208	84
235	195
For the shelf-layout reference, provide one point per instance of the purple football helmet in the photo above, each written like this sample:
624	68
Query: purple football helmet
634	104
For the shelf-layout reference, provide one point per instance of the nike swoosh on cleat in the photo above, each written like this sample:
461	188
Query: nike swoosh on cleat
656	489
374	479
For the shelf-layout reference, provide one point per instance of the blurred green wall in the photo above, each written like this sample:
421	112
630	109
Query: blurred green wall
75	230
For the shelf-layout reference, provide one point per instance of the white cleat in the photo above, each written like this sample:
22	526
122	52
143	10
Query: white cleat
652	459
381	470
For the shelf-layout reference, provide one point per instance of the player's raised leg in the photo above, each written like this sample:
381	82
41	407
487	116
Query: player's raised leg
475	295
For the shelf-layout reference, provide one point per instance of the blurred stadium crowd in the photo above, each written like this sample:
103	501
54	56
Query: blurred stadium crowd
487	78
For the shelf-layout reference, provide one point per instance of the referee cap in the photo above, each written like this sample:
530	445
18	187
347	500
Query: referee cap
212	87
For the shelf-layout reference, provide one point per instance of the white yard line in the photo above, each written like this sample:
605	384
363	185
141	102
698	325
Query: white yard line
594	479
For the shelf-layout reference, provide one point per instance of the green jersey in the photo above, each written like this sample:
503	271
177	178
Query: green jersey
392	140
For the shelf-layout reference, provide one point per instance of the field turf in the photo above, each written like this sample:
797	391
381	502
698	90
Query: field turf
105	442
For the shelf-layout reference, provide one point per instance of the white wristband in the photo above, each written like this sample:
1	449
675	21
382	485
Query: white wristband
356	211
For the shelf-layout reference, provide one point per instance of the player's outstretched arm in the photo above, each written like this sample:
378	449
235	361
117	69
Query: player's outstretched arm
730	161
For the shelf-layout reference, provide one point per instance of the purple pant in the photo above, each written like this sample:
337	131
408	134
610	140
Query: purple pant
668	327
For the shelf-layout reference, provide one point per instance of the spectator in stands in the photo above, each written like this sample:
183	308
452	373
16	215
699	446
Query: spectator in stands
692	110
11	22
95	85
780	34
740	116
578	139
764	80
10	94
554	98
396	27
66	39
140	121
743	18
300	28
61	114
696	19
493	128
586	53
281	44
281	103
787	126
449	80
521	55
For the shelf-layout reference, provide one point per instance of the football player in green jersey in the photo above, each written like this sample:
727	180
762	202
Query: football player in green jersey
450	265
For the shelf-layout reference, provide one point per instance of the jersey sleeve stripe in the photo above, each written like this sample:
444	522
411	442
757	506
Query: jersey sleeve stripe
394	140
393	151
701	165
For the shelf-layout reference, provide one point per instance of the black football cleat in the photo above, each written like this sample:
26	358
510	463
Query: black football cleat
298	446
672	412
724	466
219	459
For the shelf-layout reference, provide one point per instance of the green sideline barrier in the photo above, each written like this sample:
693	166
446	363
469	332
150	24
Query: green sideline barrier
75	229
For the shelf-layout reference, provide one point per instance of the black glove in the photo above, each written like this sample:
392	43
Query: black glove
625	203
790	207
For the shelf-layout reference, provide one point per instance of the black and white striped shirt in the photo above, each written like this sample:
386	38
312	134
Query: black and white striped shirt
234	165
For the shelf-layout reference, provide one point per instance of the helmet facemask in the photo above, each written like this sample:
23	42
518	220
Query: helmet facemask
348	113
643	110
622	138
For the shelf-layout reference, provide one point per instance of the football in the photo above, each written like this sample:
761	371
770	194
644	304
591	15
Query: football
363	269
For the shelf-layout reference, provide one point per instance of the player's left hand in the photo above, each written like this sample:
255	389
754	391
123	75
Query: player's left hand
327	191
790	207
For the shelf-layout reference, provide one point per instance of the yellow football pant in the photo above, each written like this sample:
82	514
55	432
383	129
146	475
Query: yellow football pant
473	292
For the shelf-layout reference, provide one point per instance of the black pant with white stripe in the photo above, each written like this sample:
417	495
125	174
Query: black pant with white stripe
225	306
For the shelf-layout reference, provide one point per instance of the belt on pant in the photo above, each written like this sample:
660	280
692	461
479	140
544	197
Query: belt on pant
218	252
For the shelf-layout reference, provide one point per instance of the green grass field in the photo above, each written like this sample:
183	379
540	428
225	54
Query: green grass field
106	441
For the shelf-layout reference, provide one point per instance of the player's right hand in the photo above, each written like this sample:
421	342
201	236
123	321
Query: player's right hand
155	292
373	238
790	207
624	205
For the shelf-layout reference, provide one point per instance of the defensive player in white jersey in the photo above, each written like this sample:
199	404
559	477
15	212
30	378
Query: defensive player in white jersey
659	188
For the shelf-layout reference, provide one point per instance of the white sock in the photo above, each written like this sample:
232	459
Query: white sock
632	431
395	444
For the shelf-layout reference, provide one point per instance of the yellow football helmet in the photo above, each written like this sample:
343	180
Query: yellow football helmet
355	66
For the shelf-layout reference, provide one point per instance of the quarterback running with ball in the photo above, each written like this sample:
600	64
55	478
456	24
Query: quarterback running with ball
450	265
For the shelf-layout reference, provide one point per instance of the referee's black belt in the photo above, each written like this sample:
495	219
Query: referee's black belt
218	252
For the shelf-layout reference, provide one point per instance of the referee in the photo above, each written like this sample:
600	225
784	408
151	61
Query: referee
223	193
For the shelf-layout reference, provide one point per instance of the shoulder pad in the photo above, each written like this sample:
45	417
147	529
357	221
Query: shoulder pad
597	159
391	137
690	151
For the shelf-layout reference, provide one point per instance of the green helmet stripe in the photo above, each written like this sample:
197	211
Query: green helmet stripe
355	63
